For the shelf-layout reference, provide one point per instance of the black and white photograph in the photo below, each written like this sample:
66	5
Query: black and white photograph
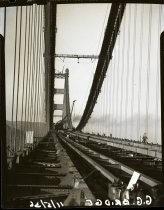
81	104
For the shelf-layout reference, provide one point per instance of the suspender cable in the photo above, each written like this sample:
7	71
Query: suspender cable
107	104
18	80
27	68
33	69
111	88
41	66
110	93
157	80
117	88
12	140
140	68
127	66
122	74
37	72
41	69
36	69
24	76
114	88
148	70
133	69
30	73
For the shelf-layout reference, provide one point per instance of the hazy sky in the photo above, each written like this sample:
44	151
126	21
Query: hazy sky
129	103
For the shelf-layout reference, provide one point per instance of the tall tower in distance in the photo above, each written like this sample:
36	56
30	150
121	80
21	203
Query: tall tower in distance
65	107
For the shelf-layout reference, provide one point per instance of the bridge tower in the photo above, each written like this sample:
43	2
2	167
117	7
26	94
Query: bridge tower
65	107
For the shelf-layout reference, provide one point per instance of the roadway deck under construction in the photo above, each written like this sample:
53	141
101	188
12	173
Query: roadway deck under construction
64	170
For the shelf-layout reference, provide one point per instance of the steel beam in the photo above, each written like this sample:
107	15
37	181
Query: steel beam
57	115
97	166
113	25
11	3
76	56
60	75
144	178
58	106
58	91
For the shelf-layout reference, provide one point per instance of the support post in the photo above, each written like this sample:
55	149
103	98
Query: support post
3	120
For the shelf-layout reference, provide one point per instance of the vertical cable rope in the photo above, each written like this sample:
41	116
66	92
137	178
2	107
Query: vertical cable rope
27	67
30	71
13	93
133	69
122	74
18	81
41	69
33	70
24	76
157	78
127	75
38	73
140	68
148	72
117	88
36	69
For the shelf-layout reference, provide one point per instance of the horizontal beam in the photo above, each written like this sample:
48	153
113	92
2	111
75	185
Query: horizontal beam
8	3
58	91
76	56
57	115
58	106
60	75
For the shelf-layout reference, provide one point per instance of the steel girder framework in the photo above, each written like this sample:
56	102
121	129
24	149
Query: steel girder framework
113	25
11	3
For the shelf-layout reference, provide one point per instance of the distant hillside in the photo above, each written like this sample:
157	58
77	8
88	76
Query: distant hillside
37	127
26	125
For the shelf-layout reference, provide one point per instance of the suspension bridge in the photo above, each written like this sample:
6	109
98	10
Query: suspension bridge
111	153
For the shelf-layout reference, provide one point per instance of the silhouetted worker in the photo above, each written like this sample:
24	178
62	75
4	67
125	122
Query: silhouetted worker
144	138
